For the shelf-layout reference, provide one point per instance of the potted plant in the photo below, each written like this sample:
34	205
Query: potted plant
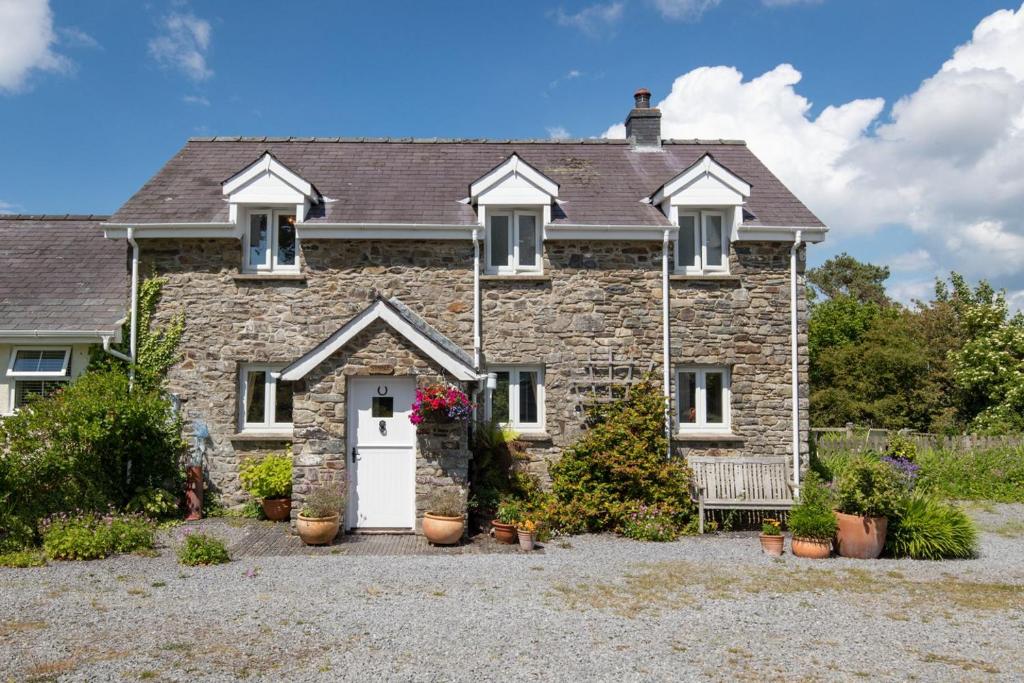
320	515
867	492
526	530
444	522
440	403
509	513
771	537
270	479
812	520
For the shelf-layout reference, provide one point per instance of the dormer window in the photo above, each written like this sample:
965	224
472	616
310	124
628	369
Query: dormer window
513	242
270	242
703	244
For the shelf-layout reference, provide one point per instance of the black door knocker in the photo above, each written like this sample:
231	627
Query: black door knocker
383	426
382	390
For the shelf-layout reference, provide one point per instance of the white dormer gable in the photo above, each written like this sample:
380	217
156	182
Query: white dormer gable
513	182
705	183
269	182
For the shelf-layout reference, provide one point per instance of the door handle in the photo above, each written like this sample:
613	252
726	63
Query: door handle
354	455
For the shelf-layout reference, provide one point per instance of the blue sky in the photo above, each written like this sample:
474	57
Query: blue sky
95	96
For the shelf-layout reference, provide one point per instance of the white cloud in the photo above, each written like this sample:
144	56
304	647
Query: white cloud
915	260
7	207
684	10
1015	300
595	20
196	99
26	41
789	3
76	37
947	161
557	133
908	291
183	45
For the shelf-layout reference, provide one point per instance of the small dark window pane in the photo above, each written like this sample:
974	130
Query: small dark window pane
286	240
687	240
258	239
35	360
27	390
382	406
713	226
283	403
499	241
687	397
715	391
527	397
499	399
256	397
527	240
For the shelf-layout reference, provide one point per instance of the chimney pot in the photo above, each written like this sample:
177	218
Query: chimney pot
643	125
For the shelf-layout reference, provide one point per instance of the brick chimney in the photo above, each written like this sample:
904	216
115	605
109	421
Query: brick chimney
643	125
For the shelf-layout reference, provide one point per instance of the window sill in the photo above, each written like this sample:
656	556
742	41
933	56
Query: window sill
708	437
533	436
266	277
513	277
263	436
711	277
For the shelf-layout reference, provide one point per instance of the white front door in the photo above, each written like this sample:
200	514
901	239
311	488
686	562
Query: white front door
381	453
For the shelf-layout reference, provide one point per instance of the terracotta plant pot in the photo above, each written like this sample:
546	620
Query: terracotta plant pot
441	530
317	530
277	509
193	493
527	539
814	548
772	545
504	533
861	537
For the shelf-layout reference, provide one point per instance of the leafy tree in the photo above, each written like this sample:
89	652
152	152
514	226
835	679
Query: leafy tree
844	275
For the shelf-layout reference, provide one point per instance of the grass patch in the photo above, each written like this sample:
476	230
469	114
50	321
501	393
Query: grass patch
1013	528
9	628
959	662
22	559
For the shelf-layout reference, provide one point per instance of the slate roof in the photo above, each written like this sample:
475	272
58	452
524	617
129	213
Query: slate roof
59	273
421	181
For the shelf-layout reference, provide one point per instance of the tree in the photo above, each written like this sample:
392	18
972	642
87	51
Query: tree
844	275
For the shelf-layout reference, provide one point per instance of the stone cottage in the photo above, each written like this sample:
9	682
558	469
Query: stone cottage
324	279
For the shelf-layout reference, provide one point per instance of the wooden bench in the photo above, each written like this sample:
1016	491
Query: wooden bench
741	483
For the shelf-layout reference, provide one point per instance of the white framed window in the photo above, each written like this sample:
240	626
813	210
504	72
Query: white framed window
37	372
269	243
518	399
265	403
703	244
513	242
703	397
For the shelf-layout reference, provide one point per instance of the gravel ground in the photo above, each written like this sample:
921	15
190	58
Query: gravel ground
595	607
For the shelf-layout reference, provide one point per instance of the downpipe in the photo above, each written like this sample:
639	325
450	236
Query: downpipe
667	372
794	360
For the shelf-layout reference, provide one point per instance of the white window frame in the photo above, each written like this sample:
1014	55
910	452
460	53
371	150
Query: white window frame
65	370
269	399
700	247
513	266
271	266
701	424
513	371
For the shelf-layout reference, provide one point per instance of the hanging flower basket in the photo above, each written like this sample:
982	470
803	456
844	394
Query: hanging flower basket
440	403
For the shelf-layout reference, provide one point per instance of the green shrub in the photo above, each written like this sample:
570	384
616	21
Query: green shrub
771	527
812	516
618	466
89	536
651	524
21	559
446	503
201	549
324	501
510	511
995	474
155	503
87	447
869	487
268	477
925	528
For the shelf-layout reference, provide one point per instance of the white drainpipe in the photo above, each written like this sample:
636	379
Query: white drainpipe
666	379
794	365
476	299
112	352
133	342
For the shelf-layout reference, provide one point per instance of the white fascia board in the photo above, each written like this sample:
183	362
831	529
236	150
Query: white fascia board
780	233
706	165
384	231
119	231
514	167
268	164
378	311
43	337
563	231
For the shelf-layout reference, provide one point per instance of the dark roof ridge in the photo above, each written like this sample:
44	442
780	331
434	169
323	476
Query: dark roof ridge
485	141
53	217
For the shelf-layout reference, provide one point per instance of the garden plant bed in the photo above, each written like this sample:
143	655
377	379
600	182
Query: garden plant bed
592	607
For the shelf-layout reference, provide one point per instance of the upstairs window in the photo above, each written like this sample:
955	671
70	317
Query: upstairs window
513	242
518	399
38	372
266	403
703	396
270	242
703	244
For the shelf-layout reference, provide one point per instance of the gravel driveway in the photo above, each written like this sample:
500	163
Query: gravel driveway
596	607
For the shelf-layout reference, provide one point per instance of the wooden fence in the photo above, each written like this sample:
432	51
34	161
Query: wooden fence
857	439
